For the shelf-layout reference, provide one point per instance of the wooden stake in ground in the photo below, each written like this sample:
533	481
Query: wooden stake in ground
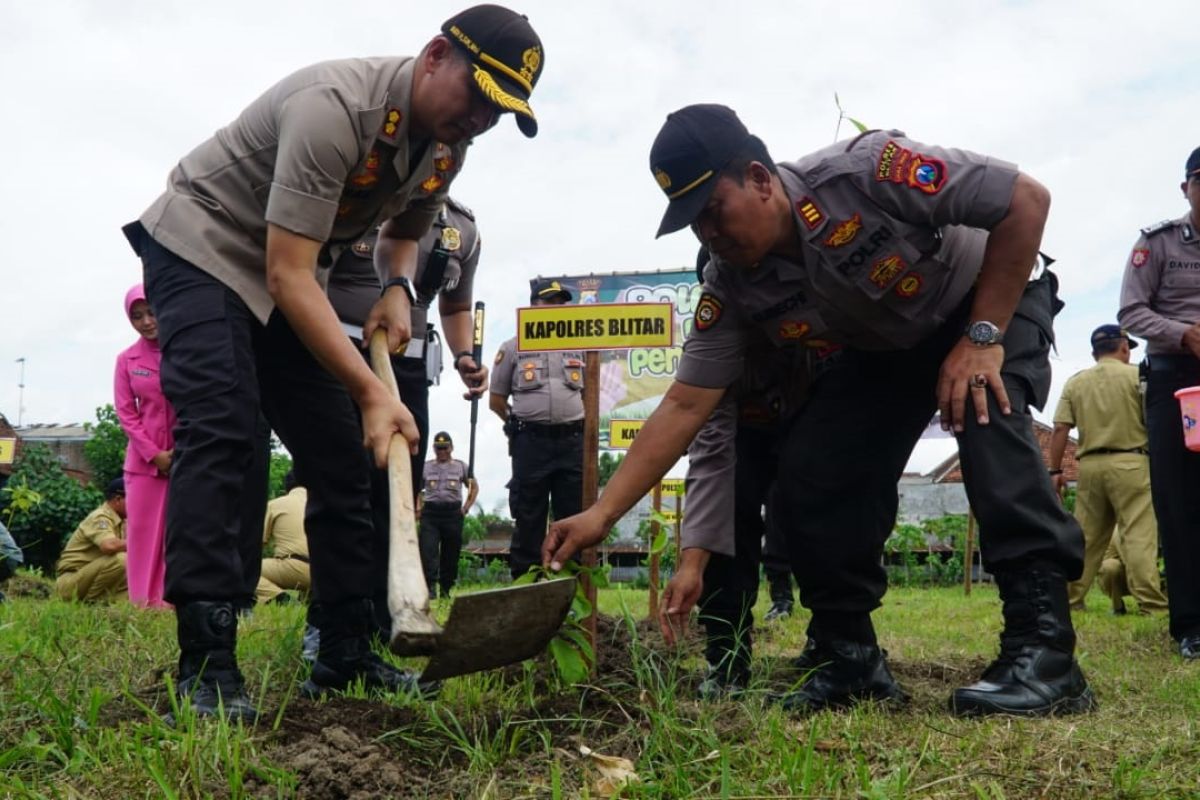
655	527
591	475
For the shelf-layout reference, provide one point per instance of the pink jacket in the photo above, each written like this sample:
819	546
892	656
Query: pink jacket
144	412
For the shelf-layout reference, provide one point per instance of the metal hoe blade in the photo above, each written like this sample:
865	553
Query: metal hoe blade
499	626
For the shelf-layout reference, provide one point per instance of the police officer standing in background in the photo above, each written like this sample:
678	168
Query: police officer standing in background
1160	302
447	258
917	259
442	510
1105	403
545	432
233	253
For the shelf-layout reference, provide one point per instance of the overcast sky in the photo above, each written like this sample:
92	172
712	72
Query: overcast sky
1098	100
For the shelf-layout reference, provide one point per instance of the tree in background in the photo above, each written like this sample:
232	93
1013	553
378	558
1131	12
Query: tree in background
608	465
41	528
281	464
105	451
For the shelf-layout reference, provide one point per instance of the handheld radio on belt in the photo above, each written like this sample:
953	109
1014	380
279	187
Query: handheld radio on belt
477	354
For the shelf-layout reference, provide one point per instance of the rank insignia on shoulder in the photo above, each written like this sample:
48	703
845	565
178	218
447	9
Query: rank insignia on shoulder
1158	227
1139	257
432	183
809	214
391	122
708	311
451	239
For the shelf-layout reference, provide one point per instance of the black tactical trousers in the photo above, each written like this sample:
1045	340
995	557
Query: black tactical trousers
441	538
1174	484
776	565
731	582
547	475
220	366
836	497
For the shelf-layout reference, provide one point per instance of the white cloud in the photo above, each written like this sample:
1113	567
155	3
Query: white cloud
1095	99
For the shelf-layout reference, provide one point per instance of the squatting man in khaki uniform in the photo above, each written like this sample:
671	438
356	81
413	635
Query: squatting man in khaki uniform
287	566
918	259
234	254
92	565
1105	404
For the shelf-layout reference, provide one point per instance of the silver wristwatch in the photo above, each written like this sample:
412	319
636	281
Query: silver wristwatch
984	333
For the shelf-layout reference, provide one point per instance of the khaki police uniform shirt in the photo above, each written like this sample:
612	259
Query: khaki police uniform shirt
84	545
325	153
769	392
285	524
892	235
354	283
1105	404
1160	293
444	482
546	388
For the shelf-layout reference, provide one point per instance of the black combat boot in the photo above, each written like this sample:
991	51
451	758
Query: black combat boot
209	678
345	654
1036	674
842	673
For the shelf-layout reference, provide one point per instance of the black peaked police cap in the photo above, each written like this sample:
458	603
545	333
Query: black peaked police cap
692	147
506	55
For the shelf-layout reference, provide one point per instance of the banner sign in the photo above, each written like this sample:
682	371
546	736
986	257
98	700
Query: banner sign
8	450
608	326
622	432
632	382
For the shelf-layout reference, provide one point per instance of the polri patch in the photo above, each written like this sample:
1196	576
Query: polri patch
810	215
791	329
901	165
708	311
499	356
845	232
1139	258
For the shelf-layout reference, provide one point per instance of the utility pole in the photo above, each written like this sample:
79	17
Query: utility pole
21	392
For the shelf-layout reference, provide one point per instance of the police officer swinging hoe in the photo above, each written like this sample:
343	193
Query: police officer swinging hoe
485	629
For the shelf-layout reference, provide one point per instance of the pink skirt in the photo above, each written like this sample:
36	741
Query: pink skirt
145	525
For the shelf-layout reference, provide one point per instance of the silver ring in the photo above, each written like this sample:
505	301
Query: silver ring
979	381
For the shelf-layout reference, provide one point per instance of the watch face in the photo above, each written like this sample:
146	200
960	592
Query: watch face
983	333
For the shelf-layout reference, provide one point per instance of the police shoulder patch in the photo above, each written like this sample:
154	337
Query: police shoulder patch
499	356
708	311
1158	227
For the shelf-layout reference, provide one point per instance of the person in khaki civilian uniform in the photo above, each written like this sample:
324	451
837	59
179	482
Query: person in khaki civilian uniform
442	510
92	565
545	433
287	566
918	260
1105	404
234	256
1112	577
1160	302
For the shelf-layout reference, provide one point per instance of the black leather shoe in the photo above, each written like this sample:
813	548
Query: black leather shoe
209	678
809	658
844	674
1036	674
1189	647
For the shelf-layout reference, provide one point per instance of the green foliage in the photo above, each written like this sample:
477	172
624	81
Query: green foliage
571	649
281	464
608	465
105	451
915	556
473	528
42	527
1069	500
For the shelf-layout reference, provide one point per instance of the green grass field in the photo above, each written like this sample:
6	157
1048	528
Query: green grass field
82	688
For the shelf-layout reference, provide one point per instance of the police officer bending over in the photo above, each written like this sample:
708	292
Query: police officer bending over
232	252
917	259
1161	304
545	430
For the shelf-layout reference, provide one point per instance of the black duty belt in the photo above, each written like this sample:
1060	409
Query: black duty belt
562	429
1102	451
1181	362
440	507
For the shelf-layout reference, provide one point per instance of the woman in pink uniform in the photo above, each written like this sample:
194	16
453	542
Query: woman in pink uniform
147	418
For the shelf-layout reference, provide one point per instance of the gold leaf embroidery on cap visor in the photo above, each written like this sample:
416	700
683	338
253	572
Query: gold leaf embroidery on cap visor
497	96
